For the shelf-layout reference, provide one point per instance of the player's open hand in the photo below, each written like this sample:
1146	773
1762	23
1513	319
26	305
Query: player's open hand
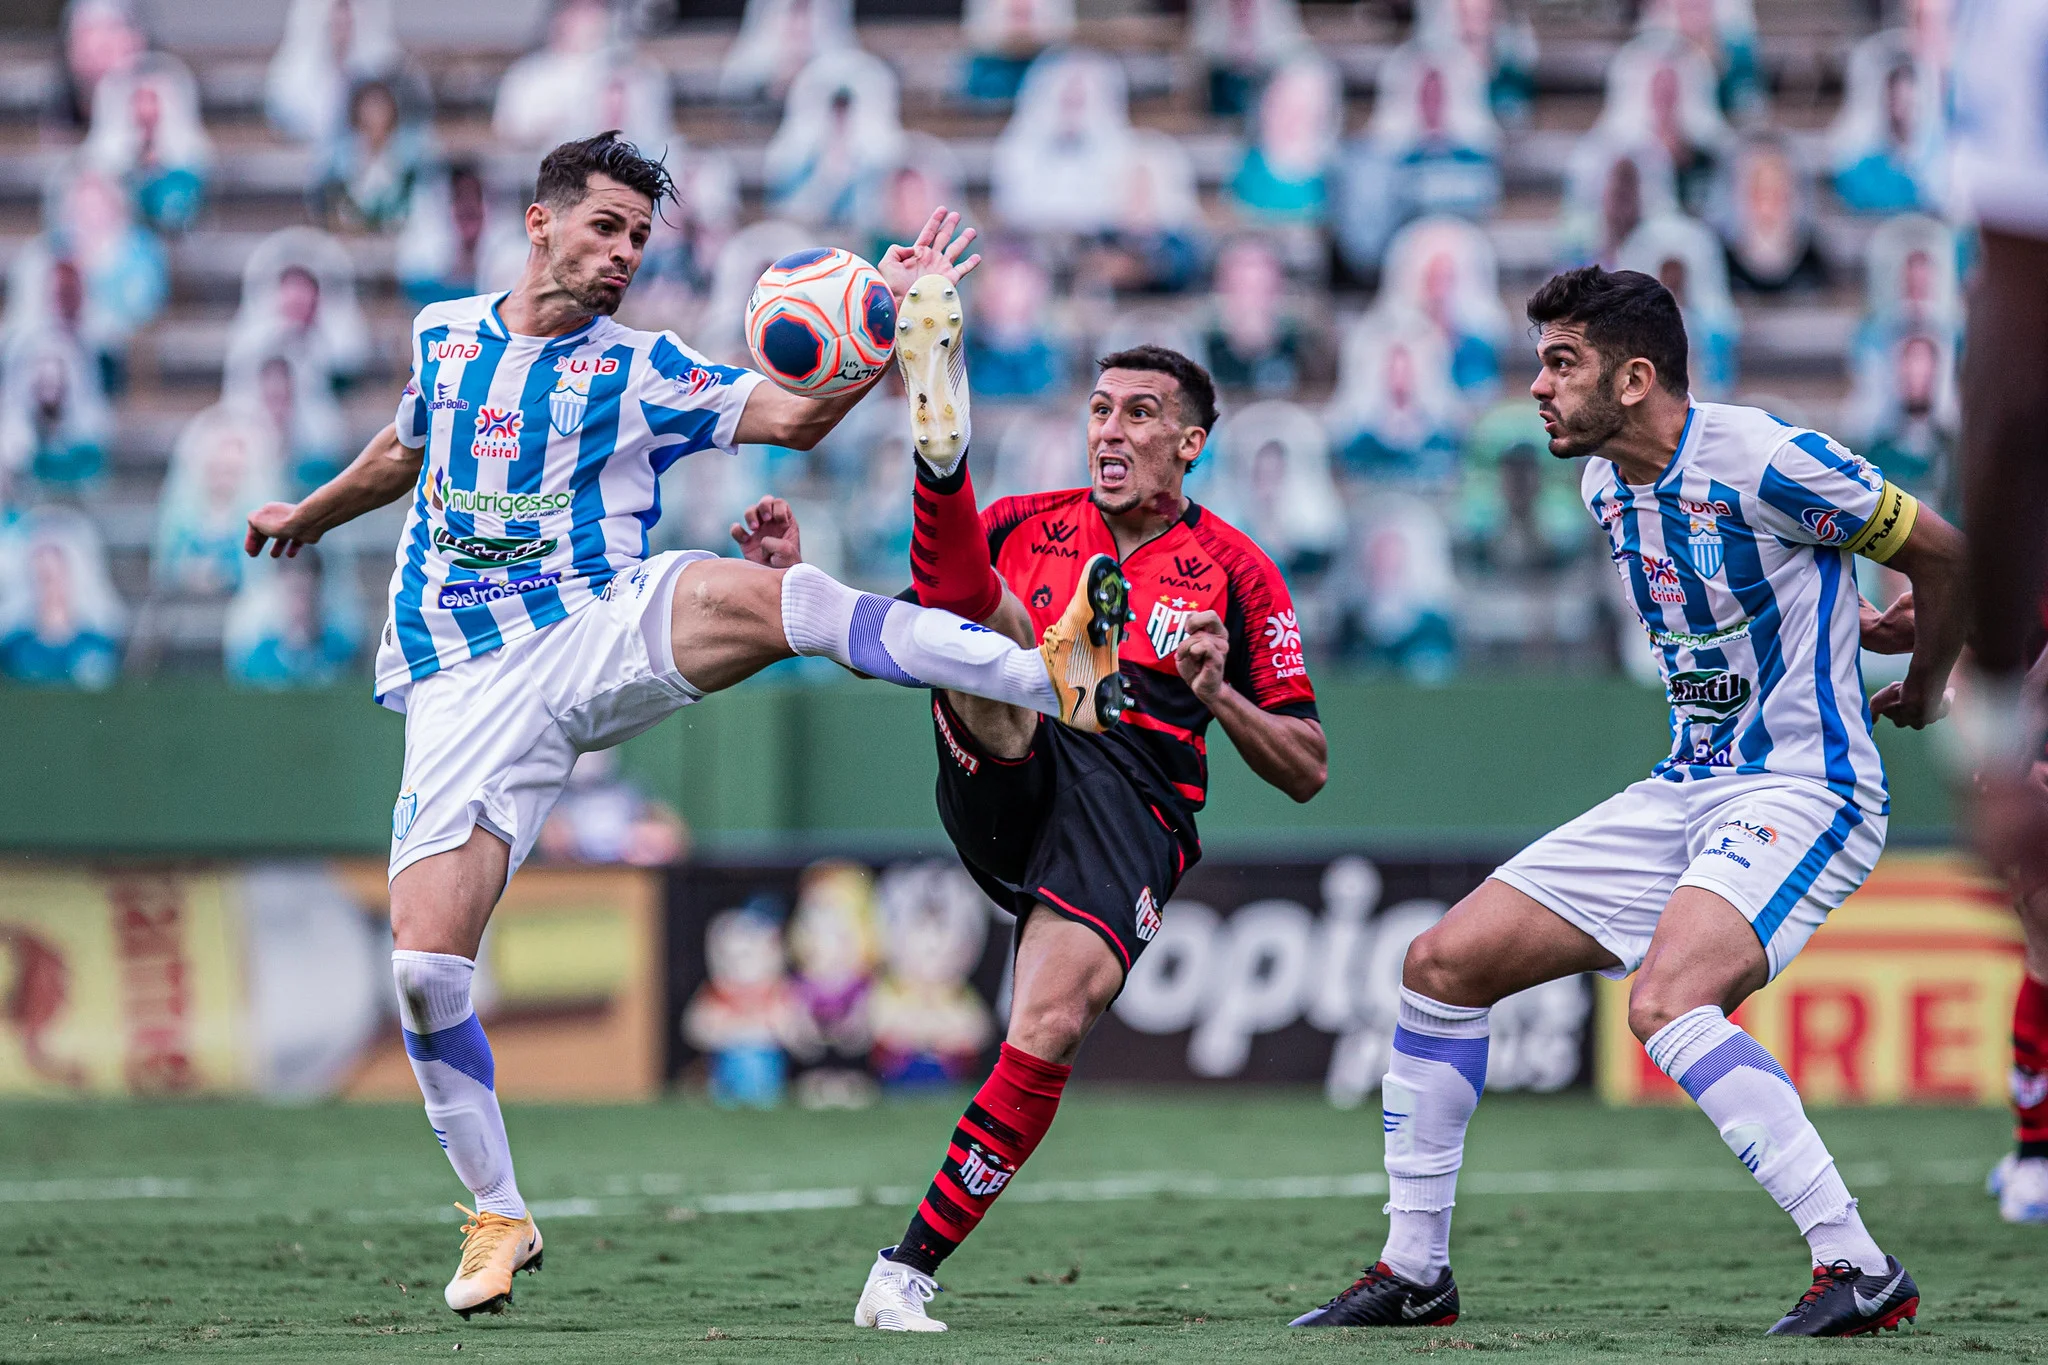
935	252
1909	706
1889	631
1201	654
272	523
770	535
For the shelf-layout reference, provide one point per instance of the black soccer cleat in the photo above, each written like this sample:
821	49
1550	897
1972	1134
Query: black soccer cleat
1109	594
1845	1302
1381	1298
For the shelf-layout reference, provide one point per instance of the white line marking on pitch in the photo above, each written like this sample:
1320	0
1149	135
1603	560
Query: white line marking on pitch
1144	1185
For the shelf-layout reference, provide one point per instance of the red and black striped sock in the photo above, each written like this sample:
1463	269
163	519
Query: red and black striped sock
948	550
1002	1126
2030	1066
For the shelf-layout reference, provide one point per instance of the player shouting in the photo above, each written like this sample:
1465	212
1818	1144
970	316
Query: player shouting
528	624
1083	832
1733	533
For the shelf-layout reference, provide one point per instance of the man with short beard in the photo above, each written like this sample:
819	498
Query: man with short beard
1081	830
1733	533
528	623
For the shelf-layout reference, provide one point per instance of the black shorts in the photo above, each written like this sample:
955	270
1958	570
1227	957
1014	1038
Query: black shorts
1064	827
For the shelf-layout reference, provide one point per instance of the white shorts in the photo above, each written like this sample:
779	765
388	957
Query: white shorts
1783	850
491	740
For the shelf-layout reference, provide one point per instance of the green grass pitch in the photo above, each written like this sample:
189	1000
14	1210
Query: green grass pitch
1169	1228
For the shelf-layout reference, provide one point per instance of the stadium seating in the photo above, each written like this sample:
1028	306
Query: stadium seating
224	224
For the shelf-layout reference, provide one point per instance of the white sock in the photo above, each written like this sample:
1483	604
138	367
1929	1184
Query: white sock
1433	1082
912	646
453	1063
1748	1096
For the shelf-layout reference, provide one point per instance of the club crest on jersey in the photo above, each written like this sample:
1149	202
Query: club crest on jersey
1704	534
568	401
982	1172
497	434
1826	524
1149	922
1041	596
403	813
1168	624
1661	573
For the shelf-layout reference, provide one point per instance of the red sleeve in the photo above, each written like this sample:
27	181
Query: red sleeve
1005	515
1266	663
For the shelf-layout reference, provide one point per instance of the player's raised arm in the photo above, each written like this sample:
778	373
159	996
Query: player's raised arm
384	472
774	416
1932	557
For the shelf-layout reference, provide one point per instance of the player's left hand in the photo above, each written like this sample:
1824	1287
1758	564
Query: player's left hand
1889	631
935	252
1201	654
1909	707
770	535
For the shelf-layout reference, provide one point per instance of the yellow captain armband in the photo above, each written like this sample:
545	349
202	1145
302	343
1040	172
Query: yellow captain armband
1888	526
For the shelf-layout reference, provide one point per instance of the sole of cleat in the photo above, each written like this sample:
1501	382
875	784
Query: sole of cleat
1109	699
1108	603
928	336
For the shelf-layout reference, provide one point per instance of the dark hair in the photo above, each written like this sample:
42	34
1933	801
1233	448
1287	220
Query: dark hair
565	172
1625	313
1197	390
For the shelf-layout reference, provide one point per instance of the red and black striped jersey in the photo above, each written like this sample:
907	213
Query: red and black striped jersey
1038	544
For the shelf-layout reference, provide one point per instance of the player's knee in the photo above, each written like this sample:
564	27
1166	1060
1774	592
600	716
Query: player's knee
1051	1029
1650	1008
1436	966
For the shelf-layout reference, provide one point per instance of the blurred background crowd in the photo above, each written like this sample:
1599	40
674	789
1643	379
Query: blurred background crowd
218	220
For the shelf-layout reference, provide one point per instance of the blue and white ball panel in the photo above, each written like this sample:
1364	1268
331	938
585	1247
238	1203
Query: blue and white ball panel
540	478
1783	850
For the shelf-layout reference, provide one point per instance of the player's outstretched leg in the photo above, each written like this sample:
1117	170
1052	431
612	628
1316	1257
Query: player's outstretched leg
452	1061
1705	946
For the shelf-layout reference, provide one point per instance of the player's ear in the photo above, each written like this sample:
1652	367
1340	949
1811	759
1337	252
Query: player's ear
1193	441
539	218
1633	381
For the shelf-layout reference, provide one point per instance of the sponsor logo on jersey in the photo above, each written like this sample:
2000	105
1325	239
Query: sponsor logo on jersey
568	401
479	592
1704	534
491	552
982	1172
1705	754
1168	624
1611	512
1149	922
497	434
1054	537
403	814
1685	639
1825	524
1860	469
1746	830
600	364
1707	694
455	350
1723	851
969	764
1041	596
512	506
1283	638
1661	573
1187	573
411	389
443	403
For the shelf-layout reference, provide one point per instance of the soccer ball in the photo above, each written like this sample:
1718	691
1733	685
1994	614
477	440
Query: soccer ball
821	321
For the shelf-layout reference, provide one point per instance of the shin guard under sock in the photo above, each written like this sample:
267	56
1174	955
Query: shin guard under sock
948	549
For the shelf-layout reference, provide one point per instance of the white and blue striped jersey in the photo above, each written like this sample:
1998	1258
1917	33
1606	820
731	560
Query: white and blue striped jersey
540	476
1738	562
